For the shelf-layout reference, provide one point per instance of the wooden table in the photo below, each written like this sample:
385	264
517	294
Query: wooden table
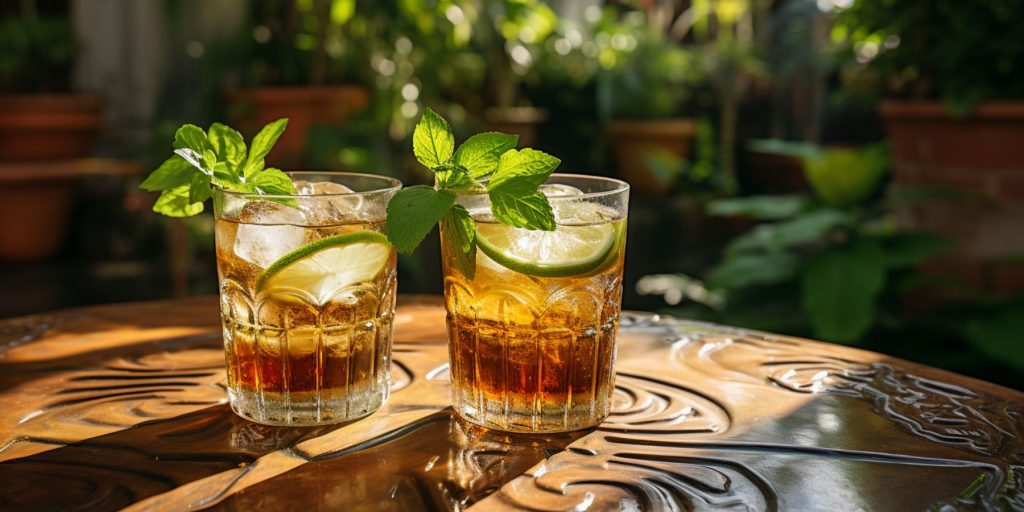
123	406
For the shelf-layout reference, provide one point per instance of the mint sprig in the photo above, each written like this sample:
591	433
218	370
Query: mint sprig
513	188
217	157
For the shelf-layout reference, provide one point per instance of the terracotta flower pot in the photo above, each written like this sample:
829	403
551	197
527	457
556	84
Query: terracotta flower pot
635	142
303	106
521	121
34	218
48	126
981	154
773	173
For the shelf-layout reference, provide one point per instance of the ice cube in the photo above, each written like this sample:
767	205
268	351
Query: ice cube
559	190
331	208
568	209
268	231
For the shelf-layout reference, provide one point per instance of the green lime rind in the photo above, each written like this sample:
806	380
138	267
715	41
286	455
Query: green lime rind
599	261
358	237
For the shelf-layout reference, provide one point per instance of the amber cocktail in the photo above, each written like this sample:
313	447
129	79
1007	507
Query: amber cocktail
532	332
307	287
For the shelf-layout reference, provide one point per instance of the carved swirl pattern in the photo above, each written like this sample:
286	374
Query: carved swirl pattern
597	475
704	417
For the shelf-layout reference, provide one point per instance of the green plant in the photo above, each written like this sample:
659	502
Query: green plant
35	52
643	74
834	257
219	158
959	52
513	178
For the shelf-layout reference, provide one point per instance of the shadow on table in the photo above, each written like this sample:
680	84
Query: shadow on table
436	463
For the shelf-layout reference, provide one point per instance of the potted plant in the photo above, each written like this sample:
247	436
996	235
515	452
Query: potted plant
39	117
510	35
952	86
298	60
644	81
41	121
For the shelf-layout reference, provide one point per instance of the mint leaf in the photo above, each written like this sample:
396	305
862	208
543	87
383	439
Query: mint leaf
513	189
527	165
194	159
192	137
432	140
175	203
460	237
456	178
519	204
480	153
274	182
225	179
228	145
175	171
413	212
199	188
209	161
262	143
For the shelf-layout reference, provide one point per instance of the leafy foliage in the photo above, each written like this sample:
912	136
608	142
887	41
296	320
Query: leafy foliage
826	256
931	49
219	158
513	188
36	54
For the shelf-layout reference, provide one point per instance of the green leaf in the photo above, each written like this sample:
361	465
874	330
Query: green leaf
844	177
262	143
805	228
514	204
840	287
413	212
228	145
175	203
753	270
191	137
174	172
460	238
759	207
194	159
432	140
1000	334
228	180
209	161
199	188
274	182
456	178
481	152
907	249
513	189
525	166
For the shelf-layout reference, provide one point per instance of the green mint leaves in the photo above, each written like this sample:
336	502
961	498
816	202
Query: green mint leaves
413	212
216	157
513	188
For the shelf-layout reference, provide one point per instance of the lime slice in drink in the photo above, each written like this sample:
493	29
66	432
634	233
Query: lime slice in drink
566	251
321	269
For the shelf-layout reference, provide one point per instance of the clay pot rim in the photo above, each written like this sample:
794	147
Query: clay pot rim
653	127
18	103
289	92
936	110
516	115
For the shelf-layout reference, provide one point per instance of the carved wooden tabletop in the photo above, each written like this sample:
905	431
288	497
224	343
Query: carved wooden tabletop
123	406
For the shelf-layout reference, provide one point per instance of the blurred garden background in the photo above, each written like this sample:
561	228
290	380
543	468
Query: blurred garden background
847	170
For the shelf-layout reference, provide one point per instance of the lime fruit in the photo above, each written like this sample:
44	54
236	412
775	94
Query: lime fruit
322	268
566	251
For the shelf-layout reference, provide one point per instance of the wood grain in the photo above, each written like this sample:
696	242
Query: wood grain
123	407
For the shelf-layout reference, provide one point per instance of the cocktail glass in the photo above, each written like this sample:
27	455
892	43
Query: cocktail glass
532	332
307	293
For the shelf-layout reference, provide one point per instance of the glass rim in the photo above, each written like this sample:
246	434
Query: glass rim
393	185
620	186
